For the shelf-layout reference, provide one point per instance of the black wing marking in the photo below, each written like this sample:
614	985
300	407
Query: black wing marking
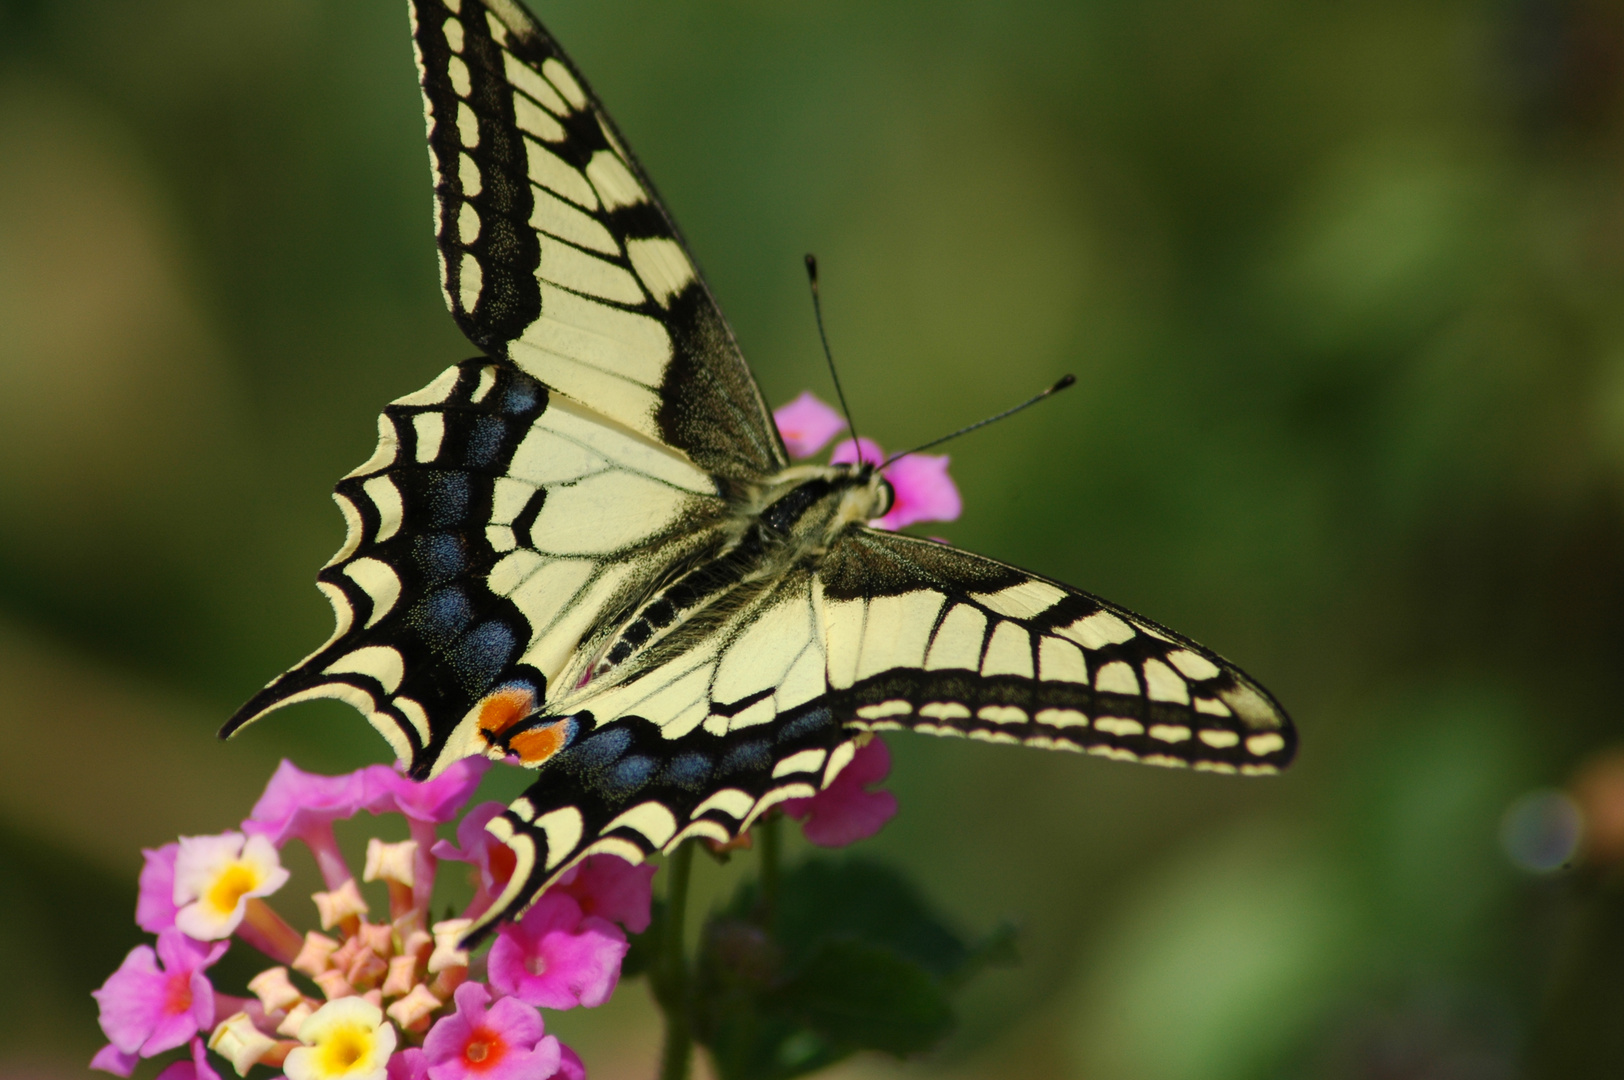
909	634
926	637
557	254
628	789
495	529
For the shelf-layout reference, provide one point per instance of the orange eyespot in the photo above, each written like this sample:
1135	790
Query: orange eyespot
539	744
503	709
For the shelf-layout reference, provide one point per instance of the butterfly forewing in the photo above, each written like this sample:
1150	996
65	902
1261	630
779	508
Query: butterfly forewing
555	251
937	640
492	536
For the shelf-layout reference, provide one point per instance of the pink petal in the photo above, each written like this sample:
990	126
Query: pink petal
845	812
155	902
870	765
518	1022
859	817
111	1059
437	800
848	452
924	492
409	1064
807	424
493	859
195	1068
296	803
612	888
131	1000
570	1066
554	958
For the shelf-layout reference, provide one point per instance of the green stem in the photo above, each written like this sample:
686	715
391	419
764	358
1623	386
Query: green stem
679	1039
771	856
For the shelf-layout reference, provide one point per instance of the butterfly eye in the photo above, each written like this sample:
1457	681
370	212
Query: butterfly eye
887	498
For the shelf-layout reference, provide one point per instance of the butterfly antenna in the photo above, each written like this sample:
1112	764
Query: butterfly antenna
1065	381
817	311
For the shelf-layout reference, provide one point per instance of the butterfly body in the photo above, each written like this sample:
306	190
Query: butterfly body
589	551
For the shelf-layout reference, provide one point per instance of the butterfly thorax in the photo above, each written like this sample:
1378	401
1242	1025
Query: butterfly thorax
778	533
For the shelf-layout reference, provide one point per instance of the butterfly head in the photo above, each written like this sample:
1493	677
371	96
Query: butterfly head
811	504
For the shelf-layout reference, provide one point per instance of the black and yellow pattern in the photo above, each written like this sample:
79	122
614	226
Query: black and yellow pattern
588	551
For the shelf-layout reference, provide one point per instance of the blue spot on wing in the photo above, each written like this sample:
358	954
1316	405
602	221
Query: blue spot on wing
446	494
628	775
485	441
481	655
747	757
441	616
439	555
688	771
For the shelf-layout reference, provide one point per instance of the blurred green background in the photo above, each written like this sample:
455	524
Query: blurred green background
1342	284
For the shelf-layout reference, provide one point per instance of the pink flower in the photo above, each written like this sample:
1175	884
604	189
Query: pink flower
924	491
386	791
425	804
302	805
807	425
570	1066
296	802
493	859
409	1064
845	811
156	1001
194	1068
555	957
507	1041
111	1059
611	888
155	902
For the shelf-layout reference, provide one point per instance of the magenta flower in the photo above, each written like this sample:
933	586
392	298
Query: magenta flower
425	804
611	888
386	791
196	1067
492	858
570	1066
556	958
807	425
155	901
409	1064
846	811
302	805
156	1000
506	1041
924	491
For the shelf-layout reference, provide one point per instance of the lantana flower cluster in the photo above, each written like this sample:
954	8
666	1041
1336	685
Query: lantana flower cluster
369	996
389	995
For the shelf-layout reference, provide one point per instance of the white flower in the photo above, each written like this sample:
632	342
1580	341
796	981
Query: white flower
215	876
240	1042
391	862
347	1039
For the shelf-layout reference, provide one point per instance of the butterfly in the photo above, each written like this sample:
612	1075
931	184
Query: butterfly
587	550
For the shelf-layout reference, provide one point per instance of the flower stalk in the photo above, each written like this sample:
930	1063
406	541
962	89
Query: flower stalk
678	1049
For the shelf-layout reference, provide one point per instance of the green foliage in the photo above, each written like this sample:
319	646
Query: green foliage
850	958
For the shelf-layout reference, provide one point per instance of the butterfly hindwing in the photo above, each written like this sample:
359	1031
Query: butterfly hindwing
493	533
557	254
893	632
629	789
929	638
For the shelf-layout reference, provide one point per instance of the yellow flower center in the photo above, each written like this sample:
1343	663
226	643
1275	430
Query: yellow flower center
343	1048
229	887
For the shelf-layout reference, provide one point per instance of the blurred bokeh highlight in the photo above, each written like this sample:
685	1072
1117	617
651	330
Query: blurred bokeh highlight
1342	284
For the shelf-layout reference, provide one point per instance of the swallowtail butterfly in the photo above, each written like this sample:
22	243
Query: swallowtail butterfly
587	549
